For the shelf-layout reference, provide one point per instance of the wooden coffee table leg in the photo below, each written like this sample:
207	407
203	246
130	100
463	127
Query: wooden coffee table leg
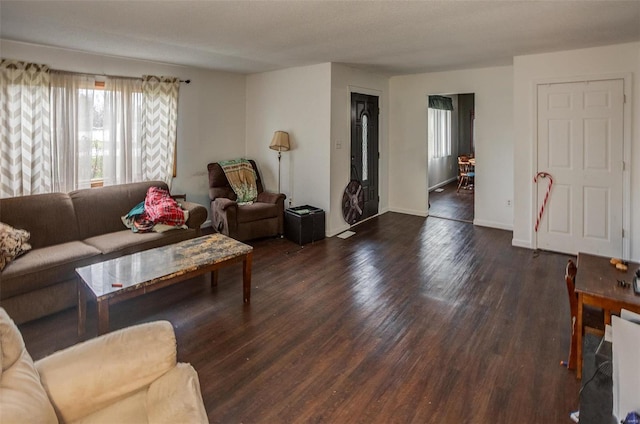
214	278
82	310
246	277
103	316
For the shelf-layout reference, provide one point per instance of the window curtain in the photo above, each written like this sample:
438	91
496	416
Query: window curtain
72	99
159	125
25	141
439	134
121	133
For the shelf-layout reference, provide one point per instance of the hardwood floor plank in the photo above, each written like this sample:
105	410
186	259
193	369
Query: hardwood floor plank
452	204
409	320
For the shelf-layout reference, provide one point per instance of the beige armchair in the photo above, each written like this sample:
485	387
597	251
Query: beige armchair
127	376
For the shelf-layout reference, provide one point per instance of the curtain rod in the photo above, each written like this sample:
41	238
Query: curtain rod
187	81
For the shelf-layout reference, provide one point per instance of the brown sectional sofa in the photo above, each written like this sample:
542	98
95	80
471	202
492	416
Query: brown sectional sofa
69	230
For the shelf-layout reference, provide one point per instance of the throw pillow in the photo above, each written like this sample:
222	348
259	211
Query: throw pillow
13	243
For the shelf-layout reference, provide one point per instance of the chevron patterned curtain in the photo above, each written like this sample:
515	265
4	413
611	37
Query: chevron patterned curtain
159	124
25	136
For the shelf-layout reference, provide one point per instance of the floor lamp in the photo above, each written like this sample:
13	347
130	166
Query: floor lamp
280	142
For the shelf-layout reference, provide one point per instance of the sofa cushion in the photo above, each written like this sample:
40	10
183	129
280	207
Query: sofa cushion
13	243
257	211
49	218
45	266
125	242
99	210
22	396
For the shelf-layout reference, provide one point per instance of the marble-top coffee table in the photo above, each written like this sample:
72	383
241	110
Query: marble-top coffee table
134	275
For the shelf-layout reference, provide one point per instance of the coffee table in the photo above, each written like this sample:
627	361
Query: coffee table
134	275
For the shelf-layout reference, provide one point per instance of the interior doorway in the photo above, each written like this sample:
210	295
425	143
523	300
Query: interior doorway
451	156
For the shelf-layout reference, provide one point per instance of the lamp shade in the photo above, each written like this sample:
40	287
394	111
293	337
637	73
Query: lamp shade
280	141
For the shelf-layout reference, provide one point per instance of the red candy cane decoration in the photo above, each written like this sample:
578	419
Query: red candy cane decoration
546	196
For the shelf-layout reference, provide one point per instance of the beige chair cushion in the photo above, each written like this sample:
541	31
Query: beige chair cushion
130	410
22	397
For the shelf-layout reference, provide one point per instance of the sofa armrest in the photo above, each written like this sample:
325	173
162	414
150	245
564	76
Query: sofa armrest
176	398
197	214
103	370
266	197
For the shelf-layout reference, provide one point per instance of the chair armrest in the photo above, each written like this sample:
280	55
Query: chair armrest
197	214
176	398
266	197
222	203
87	377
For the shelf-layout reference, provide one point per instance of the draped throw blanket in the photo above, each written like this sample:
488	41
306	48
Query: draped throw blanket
158	212
242	179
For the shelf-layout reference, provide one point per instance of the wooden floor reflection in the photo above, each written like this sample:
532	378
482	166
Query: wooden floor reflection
409	320
452	204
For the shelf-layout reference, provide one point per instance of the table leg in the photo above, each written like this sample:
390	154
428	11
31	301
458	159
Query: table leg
103	316
82	310
578	331
214	278
246	277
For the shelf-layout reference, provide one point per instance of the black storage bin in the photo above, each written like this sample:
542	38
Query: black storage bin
304	224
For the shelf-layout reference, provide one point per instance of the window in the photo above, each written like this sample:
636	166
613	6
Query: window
365	147
76	132
97	136
439	137
115	132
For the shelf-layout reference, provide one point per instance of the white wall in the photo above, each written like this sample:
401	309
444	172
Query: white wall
295	100
408	175
211	114
311	103
618	60
344	81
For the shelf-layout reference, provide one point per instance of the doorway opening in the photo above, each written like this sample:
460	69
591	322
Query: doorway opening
451	156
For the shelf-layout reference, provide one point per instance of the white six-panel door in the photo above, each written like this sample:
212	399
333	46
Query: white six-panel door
580	143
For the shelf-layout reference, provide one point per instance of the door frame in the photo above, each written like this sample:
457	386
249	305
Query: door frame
626	148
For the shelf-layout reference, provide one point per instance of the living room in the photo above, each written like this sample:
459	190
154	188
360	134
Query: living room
222	116
225	114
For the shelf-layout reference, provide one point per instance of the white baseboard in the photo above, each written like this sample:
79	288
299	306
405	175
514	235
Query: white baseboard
492	224
410	212
444	183
522	243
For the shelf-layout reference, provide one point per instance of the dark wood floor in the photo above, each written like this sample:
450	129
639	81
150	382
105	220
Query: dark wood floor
409	320
452	204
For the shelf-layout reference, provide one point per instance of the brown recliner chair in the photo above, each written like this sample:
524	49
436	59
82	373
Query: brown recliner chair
263	218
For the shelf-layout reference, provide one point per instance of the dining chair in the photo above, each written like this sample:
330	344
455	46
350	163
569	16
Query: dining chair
466	173
592	318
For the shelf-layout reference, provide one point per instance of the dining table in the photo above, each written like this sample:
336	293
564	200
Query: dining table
600	284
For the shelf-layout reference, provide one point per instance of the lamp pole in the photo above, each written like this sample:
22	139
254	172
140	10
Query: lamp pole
279	156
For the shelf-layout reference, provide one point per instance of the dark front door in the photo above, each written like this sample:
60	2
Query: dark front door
364	149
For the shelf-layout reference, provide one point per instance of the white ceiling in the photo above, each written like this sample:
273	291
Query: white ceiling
394	37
